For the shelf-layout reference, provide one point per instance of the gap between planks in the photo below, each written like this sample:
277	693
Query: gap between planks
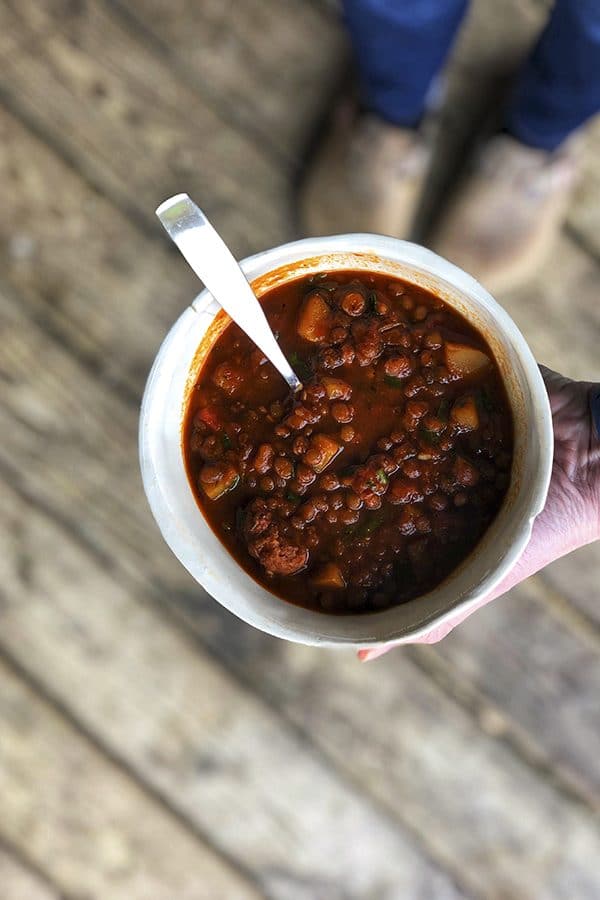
62	351
105	839
151	791
108	560
175	625
27	874
493	720
452	684
351	780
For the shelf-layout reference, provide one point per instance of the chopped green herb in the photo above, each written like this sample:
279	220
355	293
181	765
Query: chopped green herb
227	445
379	480
382	477
429	437
371	301
393	382
300	365
369	525
292	497
444	410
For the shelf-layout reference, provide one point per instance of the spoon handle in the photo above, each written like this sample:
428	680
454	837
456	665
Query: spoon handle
212	261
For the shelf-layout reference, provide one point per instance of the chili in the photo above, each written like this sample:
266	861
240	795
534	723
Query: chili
370	487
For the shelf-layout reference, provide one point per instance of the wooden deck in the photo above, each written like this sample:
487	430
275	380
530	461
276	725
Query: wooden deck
151	745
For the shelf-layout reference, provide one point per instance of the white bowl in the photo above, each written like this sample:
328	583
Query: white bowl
196	546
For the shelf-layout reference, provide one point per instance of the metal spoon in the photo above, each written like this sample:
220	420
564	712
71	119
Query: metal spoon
212	261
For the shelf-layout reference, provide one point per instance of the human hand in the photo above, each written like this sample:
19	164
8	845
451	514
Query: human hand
571	517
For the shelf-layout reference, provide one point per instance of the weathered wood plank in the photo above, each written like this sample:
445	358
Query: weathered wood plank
89	472
559	313
22	883
99	446
94	280
494	40
114	505
576	577
268	66
584	216
24	26
79	818
101	439
108	263
228	764
116	110
425	759
542	676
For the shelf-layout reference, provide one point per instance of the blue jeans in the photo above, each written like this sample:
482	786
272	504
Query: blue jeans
400	46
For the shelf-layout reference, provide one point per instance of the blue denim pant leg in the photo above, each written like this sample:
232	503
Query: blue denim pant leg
400	46
558	88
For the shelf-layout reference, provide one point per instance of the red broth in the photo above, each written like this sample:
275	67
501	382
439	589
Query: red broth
373	484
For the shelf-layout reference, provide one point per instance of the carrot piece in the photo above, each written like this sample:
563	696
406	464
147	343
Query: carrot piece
210	417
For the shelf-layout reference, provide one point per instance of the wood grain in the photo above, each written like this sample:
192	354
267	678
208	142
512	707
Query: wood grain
83	821
122	535
540	674
25	26
584	216
72	408
117	112
95	282
576	577
268	66
559	313
20	882
465	770
426	760
230	766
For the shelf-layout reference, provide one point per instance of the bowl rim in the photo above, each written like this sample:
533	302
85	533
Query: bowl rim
385	248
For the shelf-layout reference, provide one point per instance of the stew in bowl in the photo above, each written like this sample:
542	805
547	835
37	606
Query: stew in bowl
370	487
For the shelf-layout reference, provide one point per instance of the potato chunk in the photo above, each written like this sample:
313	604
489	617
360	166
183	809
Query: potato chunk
336	389
463	360
216	480
464	413
314	319
329	577
322	450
